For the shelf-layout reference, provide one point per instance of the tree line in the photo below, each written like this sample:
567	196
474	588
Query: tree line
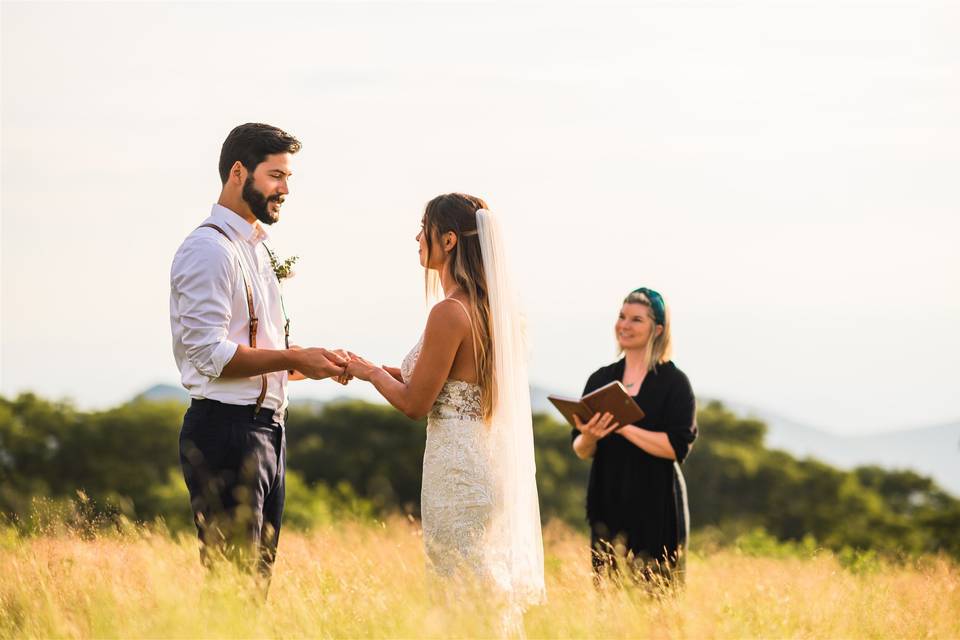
356	459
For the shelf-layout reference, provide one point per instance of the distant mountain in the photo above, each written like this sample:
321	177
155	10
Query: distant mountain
163	393
932	451
540	404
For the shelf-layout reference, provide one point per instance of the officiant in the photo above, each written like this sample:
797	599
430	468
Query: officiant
636	497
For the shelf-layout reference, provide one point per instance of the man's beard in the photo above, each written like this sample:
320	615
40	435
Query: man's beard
260	204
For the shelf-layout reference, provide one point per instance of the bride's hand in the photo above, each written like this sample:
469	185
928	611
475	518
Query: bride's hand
360	368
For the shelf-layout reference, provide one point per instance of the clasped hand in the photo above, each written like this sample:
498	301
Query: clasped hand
338	364
317	363
363	369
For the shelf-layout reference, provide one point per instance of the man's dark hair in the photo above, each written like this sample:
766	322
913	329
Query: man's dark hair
251	143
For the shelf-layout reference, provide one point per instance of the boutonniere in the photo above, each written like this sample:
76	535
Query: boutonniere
283	270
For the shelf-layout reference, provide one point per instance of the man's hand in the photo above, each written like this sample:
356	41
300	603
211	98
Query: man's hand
344	377
341	378
317	363
293	373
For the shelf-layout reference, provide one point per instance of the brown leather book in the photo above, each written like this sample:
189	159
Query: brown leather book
612	398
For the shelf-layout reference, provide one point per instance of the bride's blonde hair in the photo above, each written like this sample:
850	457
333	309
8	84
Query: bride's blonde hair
457	213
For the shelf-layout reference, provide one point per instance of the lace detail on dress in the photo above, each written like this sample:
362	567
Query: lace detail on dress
410	361
456	497
457	398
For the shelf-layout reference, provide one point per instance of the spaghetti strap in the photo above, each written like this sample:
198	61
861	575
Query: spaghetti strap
464	307
473	335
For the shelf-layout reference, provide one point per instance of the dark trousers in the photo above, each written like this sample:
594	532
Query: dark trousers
234	464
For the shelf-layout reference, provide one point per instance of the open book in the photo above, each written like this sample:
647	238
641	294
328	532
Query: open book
612	398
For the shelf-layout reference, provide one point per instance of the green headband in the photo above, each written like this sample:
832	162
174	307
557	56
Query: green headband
656	303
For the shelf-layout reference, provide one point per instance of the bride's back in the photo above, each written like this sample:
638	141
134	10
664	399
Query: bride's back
464	367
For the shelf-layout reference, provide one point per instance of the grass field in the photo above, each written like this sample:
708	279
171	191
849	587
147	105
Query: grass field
368	580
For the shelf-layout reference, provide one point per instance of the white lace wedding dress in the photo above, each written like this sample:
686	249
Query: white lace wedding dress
478	503
457	494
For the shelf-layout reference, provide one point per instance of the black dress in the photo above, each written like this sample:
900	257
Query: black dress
637	502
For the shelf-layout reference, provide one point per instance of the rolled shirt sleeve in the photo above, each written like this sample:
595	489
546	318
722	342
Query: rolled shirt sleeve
202	279
680	418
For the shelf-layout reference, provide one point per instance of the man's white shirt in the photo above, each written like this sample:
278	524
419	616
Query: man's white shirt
209	315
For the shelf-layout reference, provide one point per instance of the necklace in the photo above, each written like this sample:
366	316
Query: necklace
633	384
636	383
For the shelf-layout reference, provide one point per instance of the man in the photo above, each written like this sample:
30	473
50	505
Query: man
230	343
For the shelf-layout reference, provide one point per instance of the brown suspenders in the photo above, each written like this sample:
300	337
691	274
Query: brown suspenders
251	312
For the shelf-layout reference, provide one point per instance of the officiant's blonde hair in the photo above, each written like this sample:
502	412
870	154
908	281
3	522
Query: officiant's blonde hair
659	347
457	212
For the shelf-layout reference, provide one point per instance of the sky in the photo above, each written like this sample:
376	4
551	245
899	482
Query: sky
783	173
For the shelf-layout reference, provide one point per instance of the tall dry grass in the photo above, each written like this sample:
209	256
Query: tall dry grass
363	580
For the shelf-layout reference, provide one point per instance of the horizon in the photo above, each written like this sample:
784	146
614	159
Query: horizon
782	174
539	393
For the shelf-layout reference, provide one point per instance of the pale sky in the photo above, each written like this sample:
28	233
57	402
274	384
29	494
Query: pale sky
784	173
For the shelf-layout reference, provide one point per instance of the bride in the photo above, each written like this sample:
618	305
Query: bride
468	375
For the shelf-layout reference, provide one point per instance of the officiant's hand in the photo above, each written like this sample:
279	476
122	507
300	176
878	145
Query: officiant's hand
600	426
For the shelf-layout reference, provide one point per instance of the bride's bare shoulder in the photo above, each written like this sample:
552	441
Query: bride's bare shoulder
449	315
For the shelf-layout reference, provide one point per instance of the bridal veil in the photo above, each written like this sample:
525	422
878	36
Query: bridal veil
513	538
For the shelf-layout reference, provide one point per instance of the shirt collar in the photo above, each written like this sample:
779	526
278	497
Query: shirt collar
251	233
